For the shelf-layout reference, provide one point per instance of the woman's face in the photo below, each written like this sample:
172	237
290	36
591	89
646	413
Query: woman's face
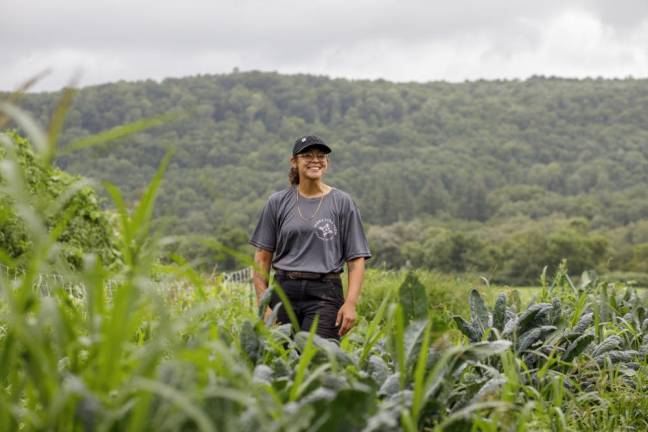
311	164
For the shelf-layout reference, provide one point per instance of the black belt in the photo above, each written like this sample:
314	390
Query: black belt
307	275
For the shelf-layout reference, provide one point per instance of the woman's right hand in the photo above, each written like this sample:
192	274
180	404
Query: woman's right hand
267	314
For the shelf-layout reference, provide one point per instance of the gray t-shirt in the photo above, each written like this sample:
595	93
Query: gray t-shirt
320	240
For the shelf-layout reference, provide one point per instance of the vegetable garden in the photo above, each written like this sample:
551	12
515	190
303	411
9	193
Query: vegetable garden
166	349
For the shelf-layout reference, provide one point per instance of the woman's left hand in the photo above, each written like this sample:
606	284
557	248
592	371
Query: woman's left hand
346	317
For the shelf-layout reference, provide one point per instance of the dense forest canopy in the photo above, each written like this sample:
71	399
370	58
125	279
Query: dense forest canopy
485	166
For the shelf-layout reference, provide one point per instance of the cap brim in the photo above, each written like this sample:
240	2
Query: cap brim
324	147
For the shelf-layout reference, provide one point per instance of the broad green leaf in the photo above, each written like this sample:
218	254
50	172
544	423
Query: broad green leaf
414	335
391	385
532	336
584	323
491	388
467	329
413	298
347	411
378	369
535	315
328	351
577	347
250	342
617	356
263	374
482	350
478	311
499	312
611	343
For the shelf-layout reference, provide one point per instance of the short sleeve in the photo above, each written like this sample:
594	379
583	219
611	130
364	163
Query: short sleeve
354	241
265	233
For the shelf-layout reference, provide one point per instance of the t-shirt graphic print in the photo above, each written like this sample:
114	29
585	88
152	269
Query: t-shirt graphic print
318	236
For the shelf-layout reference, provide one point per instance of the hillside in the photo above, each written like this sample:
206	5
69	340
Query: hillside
492	153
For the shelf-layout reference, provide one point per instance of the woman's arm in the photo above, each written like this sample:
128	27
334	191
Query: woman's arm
346	316
261	273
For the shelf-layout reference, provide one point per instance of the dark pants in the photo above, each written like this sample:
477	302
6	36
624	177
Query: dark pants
309	298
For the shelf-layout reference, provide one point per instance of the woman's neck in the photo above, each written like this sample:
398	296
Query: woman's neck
309	188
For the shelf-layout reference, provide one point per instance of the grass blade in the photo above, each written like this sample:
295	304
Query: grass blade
305	359
419	374
118	132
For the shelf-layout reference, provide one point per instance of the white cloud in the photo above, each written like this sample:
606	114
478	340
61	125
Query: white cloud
417	40
63	66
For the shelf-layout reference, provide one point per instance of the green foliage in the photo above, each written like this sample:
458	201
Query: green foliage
573	341
71	209
543	149
413	298
511	251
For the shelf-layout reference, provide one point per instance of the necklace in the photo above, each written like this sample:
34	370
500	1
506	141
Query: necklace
314	213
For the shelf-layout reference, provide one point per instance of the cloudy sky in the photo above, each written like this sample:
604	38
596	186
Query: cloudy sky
399	40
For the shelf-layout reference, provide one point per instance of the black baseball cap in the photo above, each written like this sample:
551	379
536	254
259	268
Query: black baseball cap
309	141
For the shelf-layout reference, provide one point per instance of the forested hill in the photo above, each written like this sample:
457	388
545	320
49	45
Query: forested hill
481	151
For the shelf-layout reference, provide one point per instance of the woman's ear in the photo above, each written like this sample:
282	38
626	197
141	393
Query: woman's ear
293	162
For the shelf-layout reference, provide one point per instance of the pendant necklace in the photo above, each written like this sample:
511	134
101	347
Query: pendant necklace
314	213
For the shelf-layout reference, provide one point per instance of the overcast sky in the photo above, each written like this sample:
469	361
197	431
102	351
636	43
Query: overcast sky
399	40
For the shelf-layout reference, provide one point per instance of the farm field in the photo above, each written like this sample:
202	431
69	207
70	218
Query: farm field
137	345
184	353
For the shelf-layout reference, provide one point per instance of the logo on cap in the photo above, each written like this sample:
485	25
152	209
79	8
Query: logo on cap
304	139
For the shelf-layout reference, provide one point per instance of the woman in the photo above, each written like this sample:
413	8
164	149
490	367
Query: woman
307	232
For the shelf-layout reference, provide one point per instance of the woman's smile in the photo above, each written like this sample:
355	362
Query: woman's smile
313	169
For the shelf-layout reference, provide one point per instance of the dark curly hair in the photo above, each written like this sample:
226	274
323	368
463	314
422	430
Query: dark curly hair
293	176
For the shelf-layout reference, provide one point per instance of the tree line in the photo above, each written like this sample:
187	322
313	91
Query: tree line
449	162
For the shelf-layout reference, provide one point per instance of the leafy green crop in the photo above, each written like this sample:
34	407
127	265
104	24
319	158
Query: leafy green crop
143	349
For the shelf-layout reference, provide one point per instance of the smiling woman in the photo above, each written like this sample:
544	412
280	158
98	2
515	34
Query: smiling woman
307	232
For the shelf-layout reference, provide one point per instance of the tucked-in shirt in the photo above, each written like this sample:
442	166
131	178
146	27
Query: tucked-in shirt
319	240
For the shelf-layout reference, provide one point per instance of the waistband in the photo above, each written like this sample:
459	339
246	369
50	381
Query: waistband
307	275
